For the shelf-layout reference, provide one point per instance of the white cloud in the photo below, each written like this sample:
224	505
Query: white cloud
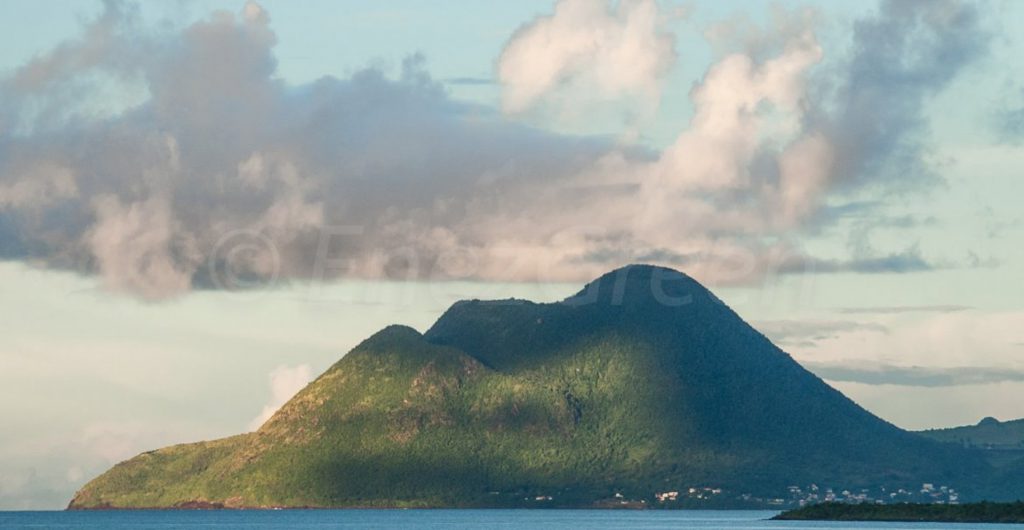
588	47
139	247
285	382
942	340
254	13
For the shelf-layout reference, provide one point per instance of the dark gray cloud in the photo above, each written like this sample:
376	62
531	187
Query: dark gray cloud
867	215
914	375
901	56
906	261
485	81
871	107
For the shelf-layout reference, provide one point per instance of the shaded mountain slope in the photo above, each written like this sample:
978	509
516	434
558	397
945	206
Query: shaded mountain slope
989	433
1001	443
643	382
728	387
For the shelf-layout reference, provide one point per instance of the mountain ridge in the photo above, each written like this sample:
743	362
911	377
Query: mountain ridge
1001	442
643	382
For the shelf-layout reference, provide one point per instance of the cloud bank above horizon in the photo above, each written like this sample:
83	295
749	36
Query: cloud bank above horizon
164	160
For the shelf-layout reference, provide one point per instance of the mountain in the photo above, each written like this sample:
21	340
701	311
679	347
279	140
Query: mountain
1002	443
989	433
642	383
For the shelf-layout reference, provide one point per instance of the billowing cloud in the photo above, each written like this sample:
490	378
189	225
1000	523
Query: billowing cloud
285	382
213	172
588	47
906	53
224	175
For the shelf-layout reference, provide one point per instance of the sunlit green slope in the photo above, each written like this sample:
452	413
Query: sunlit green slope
644	382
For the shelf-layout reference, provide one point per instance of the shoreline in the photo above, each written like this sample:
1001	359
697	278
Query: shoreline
978	512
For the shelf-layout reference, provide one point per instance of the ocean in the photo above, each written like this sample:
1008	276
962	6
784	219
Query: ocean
436	519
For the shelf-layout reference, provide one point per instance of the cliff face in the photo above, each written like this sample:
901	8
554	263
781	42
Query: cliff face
643	382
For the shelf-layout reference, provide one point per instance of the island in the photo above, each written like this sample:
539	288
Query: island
643	389
979	512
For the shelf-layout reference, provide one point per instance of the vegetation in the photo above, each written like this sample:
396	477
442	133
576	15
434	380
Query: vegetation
634	386
1002	443
982	512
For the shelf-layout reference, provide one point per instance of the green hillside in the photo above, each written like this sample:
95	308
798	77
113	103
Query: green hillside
1002	443
989	433
642	383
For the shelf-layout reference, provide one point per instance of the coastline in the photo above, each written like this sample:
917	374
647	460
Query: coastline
979	512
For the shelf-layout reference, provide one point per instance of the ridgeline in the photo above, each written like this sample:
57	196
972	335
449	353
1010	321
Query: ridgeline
642	390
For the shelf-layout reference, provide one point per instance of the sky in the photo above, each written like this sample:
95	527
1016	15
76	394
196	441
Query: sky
204	204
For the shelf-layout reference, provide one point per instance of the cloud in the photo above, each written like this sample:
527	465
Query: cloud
587	47
807	333
909	260
939	340
42	470
1011	125
221	175
901	56
471	81
1009	122
914	375
906	309
285	382
223	151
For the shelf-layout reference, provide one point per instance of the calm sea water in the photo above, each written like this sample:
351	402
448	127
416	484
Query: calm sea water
431	519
